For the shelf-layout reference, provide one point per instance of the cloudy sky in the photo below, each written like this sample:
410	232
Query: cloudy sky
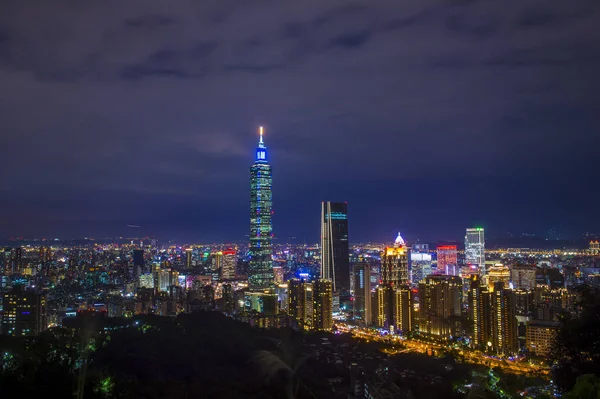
426	116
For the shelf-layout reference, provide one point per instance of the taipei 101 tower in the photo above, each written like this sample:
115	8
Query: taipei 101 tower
261	228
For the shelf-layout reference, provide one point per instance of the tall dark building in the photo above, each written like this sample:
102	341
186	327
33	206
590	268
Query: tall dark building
24	312
362	293
138	258
260	268
335	256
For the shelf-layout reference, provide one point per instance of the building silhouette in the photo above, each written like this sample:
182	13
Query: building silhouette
24	312
335	253
361	306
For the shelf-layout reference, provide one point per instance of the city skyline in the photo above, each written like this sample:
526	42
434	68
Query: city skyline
145	118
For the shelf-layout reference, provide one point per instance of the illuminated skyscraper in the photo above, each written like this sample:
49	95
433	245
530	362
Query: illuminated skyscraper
504	322
447	259
225	264
188	258
335	253
498	274
403	310
394	264
475	248
260	268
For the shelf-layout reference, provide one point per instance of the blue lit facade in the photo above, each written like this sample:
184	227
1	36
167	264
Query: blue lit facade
261	226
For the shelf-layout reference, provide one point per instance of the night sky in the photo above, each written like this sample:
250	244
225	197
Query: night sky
426	116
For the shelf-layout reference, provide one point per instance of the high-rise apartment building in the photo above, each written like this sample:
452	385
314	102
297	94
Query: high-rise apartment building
504	321
335	252
24	312
260	268
310	304
383	306
447	260
362	293
322	305
475	248
492	310
440	299
403	310
394	264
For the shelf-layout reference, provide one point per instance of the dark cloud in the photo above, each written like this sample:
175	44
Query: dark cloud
351	40
426	116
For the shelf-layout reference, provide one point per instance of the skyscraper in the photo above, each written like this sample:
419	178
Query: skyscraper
260	268
420	266
362	293
447	259
475	248
403	309
188	258
440	299
335	253
394	264
226	262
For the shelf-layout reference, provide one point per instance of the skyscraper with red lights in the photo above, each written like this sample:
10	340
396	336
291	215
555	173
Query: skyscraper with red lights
447	260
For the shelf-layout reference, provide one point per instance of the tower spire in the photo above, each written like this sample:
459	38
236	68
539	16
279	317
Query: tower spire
260	130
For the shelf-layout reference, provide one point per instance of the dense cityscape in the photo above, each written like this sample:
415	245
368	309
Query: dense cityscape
497	311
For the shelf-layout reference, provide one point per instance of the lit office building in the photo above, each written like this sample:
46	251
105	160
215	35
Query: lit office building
260	268
225	263
335	254
522	277
420	266
362	293
447	260
278	274
394	264
475	248
24	312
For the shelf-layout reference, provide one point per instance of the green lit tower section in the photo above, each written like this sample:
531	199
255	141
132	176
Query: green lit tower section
261	226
